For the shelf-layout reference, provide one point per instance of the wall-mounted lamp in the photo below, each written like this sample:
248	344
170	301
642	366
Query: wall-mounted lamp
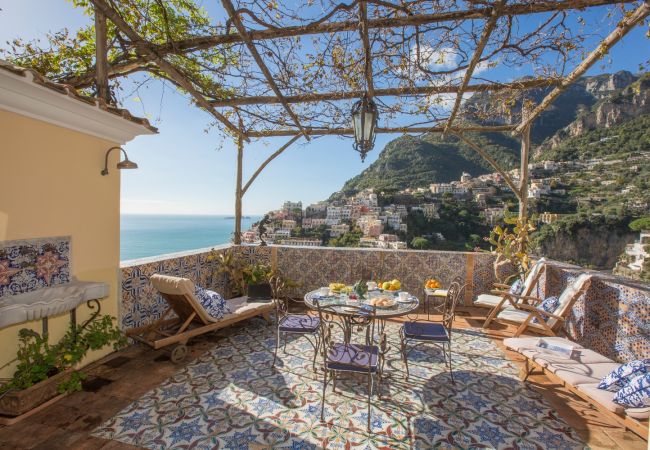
126	164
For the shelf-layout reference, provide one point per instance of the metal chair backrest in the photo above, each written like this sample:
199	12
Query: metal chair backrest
334	329
454	295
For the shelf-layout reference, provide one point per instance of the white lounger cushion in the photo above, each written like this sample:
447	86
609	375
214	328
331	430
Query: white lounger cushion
584	371
511	314
606	398
487	300
240	305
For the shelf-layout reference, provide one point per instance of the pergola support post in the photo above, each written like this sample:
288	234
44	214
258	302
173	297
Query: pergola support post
238	189
101	63
523	172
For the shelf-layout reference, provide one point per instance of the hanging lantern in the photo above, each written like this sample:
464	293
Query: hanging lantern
364	121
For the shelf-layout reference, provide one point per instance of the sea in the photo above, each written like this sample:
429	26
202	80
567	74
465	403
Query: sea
144	235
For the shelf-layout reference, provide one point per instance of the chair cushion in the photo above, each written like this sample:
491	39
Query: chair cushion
624	374
353	357
517	287
603	397
516	315
548	305
487	300
577	374
425	331
582	356
636	393
299	323
522	343
213	303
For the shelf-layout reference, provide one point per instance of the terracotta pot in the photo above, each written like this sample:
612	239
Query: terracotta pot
15	403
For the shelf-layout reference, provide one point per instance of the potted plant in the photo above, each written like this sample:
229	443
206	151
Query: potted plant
45	370
257	278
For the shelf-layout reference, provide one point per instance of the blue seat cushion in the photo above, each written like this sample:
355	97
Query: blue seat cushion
299	323
636	393
426	331
213	303
353	357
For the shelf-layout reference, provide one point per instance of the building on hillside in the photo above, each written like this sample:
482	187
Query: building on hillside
338	230
367	197
465	177
250	237
318	209
447	188
289	206
547	217
368	242
370	225
289	224
431	210
493	215
635	261
310	223
301	242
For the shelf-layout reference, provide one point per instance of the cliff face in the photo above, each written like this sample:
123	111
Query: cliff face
622	97
598	247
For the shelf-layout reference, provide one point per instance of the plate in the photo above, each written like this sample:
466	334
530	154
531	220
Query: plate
389	305
408	300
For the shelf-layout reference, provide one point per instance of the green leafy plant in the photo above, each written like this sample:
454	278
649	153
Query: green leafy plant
230	263
512	245
257	273
38	360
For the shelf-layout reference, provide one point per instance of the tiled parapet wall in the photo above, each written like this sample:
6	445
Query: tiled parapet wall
313	267
309	267
28	265
611	318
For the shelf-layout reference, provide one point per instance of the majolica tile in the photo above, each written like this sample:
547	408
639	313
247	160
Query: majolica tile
28	265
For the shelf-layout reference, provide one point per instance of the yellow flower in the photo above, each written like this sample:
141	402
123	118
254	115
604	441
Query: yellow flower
67	357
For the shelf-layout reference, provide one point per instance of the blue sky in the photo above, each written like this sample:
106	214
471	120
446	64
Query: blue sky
184	170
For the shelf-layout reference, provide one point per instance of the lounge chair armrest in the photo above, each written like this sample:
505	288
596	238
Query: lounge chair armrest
540	311
498	292
501	286
530	298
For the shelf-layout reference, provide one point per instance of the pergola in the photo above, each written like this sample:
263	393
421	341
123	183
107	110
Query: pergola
297	70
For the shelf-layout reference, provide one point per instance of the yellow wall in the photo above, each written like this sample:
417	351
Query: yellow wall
50	185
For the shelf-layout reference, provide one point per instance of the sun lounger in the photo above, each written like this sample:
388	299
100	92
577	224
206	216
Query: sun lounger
580	374
192	319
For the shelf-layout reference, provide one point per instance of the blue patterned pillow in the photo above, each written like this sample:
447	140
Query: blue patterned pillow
517	287
621	376
635	394
548	305
213	303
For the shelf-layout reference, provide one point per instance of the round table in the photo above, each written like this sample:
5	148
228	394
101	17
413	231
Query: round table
338	306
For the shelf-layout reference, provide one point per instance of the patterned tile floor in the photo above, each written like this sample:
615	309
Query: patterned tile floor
231	398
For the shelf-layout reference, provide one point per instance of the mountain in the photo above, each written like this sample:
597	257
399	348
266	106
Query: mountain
416	162
597	104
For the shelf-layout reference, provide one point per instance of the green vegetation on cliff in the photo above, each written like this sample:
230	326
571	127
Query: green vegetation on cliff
410	162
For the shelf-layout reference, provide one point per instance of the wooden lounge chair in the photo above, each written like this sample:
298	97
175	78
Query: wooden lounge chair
580	374
525	311
501	296
192	319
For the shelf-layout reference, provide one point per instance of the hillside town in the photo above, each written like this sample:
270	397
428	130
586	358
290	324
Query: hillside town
380	219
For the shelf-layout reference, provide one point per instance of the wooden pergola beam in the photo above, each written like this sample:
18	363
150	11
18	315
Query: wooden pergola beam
367	50
495	165
387	92
204	42
603	48
230	9
350	131
144	47
476	57
267	161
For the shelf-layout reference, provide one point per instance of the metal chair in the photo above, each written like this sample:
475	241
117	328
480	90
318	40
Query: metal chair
439	333
339	355
289	323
